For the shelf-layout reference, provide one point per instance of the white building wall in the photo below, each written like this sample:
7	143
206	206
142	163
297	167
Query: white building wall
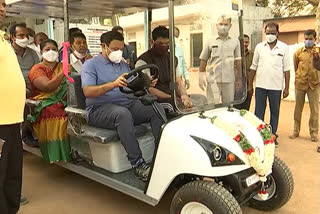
253	21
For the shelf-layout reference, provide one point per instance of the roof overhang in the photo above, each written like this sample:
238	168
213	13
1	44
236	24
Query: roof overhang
79	8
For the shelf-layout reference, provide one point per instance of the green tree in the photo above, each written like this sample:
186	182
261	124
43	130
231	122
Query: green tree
262	3
282	8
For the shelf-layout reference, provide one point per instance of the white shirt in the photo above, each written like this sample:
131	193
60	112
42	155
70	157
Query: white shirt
36	49
75	63
270	65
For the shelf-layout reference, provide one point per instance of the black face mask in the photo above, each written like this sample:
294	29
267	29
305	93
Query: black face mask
160	50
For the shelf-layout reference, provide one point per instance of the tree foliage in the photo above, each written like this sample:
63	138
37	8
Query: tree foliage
262	3
282	8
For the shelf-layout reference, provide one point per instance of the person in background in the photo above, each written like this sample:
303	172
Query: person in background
306	83
316	57
248	56
316	64
38	38
31	34
129	53
108	108
27	57
222	55
160	56
13	93
181	61
79	49
71	32
271	63
49	86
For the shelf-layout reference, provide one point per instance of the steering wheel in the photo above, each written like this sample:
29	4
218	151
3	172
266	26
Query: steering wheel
138	80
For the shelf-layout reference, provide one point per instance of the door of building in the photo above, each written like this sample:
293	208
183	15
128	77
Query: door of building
196	48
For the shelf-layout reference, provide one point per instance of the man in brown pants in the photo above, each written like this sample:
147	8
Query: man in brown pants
306	82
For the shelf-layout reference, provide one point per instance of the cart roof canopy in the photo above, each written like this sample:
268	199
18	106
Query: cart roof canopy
79	8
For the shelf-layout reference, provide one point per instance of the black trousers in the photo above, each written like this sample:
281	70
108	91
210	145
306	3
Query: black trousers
246	104
123	119
10	169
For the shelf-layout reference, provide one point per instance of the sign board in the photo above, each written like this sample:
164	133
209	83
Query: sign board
235	5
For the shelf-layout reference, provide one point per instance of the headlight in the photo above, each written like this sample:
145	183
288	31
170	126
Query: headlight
218	155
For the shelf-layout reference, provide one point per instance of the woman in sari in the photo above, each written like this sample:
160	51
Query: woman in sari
49	119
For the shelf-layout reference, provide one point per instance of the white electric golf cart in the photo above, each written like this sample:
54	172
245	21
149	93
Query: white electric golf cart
215	157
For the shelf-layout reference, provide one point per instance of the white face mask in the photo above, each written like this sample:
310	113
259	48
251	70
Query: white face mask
31	40
22	42
50	56
79	55
115	56
271	38
223	29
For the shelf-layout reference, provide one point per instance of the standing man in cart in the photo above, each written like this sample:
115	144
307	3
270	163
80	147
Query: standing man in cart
13	93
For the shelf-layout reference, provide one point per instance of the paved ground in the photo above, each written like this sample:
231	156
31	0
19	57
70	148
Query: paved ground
52	189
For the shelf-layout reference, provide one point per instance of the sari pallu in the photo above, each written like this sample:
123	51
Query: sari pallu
50	119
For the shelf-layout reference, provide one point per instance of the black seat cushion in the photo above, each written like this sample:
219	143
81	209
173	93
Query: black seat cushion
76	97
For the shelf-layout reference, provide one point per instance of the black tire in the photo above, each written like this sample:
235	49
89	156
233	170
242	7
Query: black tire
216	198
284	186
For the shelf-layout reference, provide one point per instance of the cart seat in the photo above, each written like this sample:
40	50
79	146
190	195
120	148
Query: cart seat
78	127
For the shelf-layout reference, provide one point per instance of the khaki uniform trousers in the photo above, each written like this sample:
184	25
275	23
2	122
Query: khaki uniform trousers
313	97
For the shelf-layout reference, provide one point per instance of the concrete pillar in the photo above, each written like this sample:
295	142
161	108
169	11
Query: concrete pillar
318	23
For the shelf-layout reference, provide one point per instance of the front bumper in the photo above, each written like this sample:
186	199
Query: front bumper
238	186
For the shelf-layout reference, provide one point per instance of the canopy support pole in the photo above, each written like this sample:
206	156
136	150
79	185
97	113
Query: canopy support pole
147	28
66	19
173	85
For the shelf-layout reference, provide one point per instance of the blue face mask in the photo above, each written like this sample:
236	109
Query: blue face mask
309	43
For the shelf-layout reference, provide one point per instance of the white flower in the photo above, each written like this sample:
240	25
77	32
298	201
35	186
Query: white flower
263	196
256	122
226	127
262	167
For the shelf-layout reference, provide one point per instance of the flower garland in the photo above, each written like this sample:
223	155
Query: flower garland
262	167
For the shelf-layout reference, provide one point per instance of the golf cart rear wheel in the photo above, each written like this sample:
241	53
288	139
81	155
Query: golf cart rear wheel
281	185
204	197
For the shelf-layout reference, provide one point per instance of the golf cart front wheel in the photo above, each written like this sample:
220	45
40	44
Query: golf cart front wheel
204	197
279	187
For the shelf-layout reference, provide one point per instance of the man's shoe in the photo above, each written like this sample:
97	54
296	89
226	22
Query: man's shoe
318	149
30	141
23	200
274	138
142	171
294	136
314	139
